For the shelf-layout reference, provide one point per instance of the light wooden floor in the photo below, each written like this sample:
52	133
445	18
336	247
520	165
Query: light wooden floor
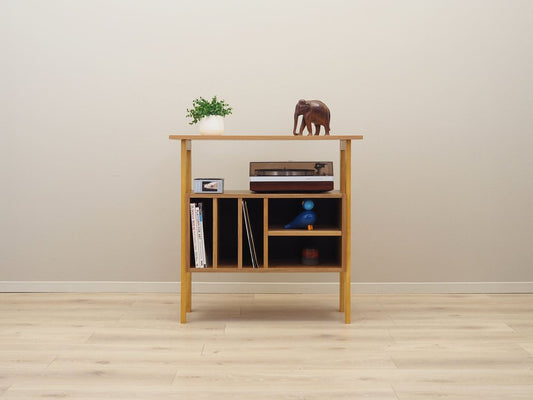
131	346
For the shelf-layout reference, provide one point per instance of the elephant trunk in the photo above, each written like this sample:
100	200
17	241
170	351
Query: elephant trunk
296	115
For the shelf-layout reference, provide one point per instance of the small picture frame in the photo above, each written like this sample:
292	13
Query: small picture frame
208	185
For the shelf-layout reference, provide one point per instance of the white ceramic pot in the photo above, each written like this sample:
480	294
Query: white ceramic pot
211	125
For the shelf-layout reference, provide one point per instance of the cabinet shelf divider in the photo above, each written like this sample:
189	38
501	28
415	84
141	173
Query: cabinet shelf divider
215	232
239	233
265	232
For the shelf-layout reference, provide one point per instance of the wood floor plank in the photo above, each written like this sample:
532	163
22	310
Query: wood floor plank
464	357
511	392
326	355
86	374
527	346
175	393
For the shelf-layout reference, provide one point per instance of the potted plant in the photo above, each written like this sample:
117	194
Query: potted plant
209	115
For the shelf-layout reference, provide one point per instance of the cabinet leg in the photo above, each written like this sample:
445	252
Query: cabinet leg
341	291
185	189
346	188
184	298
189	291
347	298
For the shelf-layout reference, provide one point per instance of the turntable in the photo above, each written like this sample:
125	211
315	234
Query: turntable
291	176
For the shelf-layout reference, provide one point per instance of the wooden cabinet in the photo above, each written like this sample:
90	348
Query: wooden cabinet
277	249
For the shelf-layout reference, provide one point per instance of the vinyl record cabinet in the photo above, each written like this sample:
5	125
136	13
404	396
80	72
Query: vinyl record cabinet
277	249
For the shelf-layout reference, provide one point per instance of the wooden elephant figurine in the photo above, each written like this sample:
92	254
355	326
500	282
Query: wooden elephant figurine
313	112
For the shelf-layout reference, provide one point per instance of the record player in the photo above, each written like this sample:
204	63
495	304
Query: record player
291	176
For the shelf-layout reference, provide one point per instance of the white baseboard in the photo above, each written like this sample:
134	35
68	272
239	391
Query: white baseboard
265	287
89	286
443	287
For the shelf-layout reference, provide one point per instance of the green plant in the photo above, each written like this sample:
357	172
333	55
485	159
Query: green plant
203	108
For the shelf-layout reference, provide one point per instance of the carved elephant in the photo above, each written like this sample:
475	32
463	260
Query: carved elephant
313	112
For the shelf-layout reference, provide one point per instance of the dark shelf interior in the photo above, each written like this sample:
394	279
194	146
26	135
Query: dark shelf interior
227	232
283	251
287	250
283	211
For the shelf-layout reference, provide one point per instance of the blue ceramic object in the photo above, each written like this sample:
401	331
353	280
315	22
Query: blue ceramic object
305	219
308	204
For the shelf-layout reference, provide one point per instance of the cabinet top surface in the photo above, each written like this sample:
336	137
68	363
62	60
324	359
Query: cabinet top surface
263	137
249	194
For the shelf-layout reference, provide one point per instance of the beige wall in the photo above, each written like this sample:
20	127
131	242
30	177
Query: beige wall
442	91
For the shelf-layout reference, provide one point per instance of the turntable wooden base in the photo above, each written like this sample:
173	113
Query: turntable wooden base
270	187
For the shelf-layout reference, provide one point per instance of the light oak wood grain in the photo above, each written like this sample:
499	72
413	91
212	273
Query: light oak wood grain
528	346
265	137
271	263
236	194
173	393
133	346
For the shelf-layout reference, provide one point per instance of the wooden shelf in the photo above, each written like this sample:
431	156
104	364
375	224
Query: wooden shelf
265	137
235	194
280	231
281	268
278	250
